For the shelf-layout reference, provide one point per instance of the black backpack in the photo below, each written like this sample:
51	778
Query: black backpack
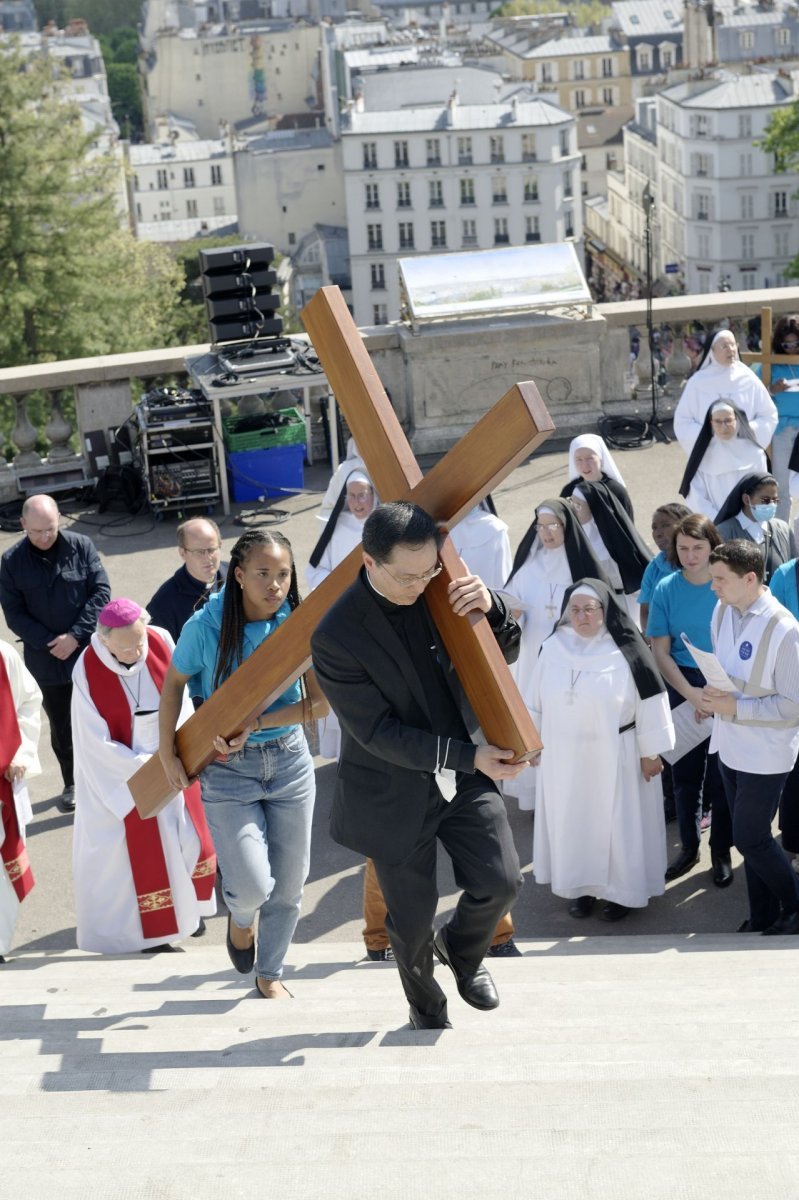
120	489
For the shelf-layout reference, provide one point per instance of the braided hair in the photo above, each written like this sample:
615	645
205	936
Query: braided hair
231	634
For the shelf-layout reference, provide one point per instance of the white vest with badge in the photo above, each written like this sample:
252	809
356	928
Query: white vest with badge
750	660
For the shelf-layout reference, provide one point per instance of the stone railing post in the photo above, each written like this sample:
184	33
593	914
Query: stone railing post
58	431
24	435
678	364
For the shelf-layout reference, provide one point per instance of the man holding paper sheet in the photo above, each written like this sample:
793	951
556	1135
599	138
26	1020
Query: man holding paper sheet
756	728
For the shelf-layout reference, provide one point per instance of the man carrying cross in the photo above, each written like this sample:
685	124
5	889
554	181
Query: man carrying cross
405	727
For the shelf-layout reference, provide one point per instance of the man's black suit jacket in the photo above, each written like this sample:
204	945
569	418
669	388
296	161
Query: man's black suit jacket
389	751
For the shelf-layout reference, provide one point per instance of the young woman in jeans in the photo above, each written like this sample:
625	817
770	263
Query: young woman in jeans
683	603
259	794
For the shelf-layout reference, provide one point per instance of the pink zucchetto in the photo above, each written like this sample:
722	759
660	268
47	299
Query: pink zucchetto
119	613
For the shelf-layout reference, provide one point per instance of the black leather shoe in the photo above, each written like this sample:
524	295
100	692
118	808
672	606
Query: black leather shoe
722	870
66	801
613	912
161	948
385	955
200	931
582	906
477	989
243	960
507	949
685	861
423	1021
787	923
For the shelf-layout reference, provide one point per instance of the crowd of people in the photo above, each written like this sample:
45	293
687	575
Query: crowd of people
665	687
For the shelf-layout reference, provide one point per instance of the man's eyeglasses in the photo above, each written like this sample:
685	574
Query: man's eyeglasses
408	581
205	553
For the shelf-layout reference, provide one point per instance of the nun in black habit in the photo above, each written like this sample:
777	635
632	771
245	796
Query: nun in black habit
614	539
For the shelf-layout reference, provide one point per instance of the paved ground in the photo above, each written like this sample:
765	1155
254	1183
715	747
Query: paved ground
139	554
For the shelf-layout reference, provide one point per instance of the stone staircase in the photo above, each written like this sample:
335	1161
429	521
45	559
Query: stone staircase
656	1068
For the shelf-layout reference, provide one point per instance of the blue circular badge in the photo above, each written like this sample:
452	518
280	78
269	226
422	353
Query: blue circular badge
745	650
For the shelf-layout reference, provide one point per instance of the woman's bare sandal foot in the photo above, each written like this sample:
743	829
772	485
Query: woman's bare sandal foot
272	989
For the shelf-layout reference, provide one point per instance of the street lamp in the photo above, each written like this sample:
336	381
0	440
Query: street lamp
648	202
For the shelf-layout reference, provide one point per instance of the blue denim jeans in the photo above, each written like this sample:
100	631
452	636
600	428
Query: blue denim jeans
259	806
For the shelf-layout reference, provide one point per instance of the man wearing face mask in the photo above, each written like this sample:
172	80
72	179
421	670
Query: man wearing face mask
750	512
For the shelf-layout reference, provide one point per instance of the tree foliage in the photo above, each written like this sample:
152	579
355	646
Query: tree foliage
75	281
589	13
781	139
102	16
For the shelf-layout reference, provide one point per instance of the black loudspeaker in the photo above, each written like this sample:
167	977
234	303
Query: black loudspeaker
237	285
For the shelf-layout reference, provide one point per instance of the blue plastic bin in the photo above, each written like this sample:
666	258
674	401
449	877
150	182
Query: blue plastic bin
255	473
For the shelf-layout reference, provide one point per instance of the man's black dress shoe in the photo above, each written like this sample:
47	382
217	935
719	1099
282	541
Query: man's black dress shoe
66	801
477	989
161	948
582	906
612	911
507	949
787	923
200	930
423	1021
722	870
683	863
243	960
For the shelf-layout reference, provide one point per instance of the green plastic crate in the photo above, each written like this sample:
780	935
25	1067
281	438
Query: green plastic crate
265	439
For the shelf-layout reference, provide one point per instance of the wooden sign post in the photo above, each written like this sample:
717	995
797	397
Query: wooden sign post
495	445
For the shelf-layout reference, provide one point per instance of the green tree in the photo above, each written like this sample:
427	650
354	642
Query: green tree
125	94
590	13
75	282
781	139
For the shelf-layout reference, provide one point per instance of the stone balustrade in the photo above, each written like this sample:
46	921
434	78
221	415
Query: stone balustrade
441	378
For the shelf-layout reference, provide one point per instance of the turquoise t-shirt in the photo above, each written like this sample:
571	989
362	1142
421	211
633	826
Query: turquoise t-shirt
680	607
787	402
196	651
659	568
783	587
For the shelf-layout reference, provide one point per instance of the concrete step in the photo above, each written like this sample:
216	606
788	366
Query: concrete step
627	1067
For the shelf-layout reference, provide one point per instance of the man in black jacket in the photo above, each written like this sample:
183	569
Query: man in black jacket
404	721
202	574
52	586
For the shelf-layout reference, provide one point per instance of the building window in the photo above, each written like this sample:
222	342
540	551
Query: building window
747	246
372	195
746	39
703	244
191	208
565	146
499	190
702	206
783	36
546	73
745	165
188	177
374	236
469	233
369	155
744	125
701	128
438	235
501	237
532	231
403	195
436	193
781	242
528	147
702	164
578	100
579	69
666	59
748	281
780	204
379	314
568	223
219	206
406	235
433	152
467	191
531	190
607	68
465	151
610	161
138	211
608	96
497	149
162	179
400	154
747	207
216	174
378	271
644	58
568	185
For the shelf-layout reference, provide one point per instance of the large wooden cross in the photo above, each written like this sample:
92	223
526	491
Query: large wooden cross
500	440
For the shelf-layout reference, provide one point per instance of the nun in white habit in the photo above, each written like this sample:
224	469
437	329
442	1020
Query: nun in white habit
722	376
353	462
552	554
590	461
342	532
601	707
724	453
482	541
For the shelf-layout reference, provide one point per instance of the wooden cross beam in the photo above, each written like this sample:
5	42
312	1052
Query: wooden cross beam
500	440
765	355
